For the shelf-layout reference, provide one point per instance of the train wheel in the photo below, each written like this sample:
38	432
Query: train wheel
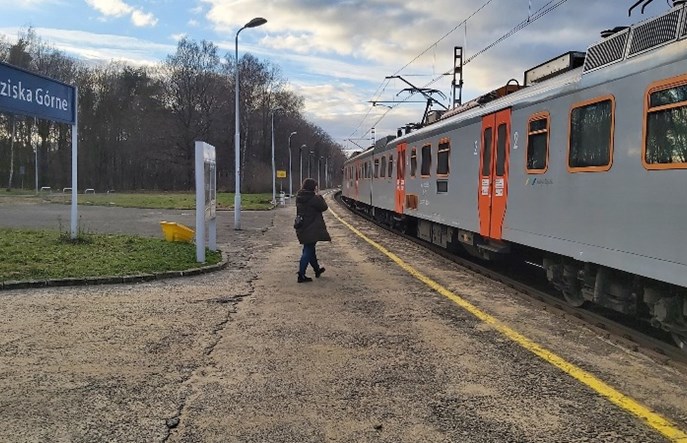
574	298
680	340
572	290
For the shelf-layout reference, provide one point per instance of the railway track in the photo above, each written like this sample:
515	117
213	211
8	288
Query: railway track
648	341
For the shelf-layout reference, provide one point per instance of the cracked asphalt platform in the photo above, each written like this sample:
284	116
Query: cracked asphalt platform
366	353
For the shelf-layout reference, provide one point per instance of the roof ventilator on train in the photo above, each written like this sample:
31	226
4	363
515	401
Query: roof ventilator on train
624	42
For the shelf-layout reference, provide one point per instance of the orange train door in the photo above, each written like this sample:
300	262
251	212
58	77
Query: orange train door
356	166
493	175
400	177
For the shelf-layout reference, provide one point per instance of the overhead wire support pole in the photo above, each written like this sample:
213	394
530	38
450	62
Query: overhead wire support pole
457	69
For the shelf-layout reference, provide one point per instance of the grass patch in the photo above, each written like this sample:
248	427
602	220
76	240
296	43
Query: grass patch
42	255
18	192
168	200
162	200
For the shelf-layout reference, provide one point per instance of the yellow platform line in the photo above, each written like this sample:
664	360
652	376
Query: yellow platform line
654	420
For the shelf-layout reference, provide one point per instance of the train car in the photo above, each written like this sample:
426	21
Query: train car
575	171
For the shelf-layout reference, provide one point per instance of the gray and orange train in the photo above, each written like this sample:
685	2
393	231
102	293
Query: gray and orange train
579	171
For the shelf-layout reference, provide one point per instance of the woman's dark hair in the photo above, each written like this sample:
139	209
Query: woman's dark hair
309	184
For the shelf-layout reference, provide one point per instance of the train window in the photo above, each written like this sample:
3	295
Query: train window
443	155
442	186
391	165
426	160
413	162
591	135
376	168
538	143
665	145
501	141
486	153
382	167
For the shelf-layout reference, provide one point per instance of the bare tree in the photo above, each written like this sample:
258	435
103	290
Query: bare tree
137	125
191	76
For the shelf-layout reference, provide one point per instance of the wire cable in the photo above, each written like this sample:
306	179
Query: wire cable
433	45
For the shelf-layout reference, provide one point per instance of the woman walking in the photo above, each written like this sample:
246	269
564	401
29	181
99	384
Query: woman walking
310	206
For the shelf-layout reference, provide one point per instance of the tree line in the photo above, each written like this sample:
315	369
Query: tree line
137	124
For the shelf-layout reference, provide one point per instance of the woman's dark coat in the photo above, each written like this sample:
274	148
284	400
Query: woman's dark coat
310	206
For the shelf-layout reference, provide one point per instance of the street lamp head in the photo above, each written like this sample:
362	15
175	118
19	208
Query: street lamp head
293	133
257	21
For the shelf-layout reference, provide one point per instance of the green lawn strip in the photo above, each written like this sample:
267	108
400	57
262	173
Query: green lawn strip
42	255
162	200
168	200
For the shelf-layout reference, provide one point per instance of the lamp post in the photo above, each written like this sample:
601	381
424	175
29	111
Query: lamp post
319	166
274	169
290	169
310	156
300	155
257	21
326	172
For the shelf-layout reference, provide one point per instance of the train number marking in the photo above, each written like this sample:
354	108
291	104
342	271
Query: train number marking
476	147
499	185
515	140
485	186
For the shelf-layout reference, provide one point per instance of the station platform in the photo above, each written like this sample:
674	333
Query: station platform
390	344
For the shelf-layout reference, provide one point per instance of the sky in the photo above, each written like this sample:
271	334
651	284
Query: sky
337	53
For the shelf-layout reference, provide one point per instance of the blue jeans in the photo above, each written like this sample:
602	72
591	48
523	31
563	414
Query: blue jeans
309	256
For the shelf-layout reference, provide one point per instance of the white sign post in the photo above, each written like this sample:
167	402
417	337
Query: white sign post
206	198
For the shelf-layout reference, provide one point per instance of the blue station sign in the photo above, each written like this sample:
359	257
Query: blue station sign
25	93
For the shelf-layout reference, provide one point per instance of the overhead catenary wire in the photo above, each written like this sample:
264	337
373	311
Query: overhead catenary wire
541	12
433	45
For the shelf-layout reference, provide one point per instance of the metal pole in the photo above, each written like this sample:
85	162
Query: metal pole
75	163
35	150
274	172
326	172
237	146
290	178
290	169
300	155
319	161
257	21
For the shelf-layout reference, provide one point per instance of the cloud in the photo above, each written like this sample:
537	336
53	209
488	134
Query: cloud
338	53
101	47
119	8
115	8
140	18
29	4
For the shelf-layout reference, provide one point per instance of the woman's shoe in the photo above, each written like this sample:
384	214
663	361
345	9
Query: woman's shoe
319	272
303	279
